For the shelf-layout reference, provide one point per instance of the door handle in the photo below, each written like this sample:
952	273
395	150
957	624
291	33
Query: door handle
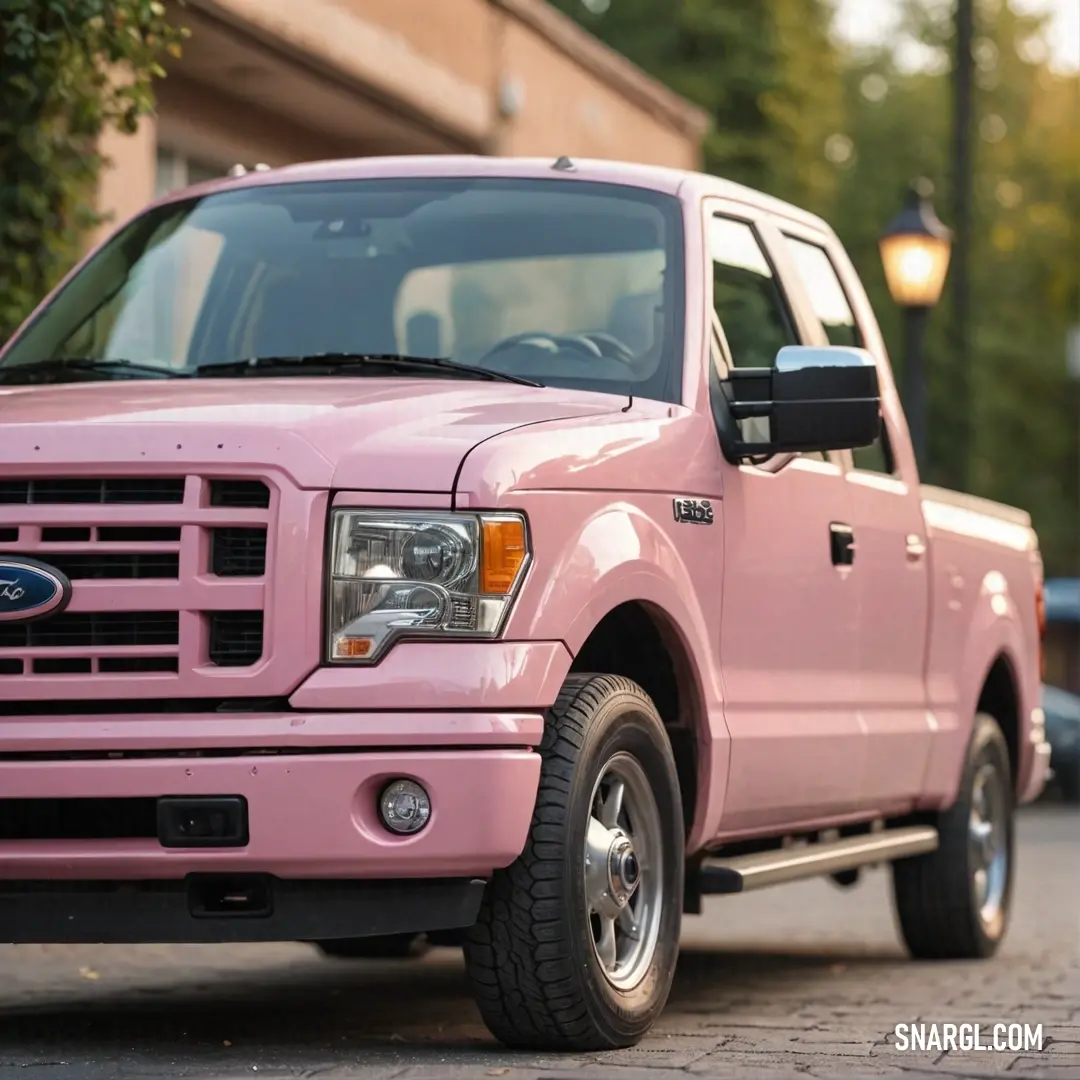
915	547
841	544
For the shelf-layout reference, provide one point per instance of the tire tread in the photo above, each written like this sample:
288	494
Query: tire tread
932	892
519	954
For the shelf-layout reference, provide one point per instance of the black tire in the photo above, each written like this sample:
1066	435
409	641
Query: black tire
389	947
936	894
531	959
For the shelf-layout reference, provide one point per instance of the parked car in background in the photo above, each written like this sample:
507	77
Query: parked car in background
1061	694
1062	712
627	595
1061	645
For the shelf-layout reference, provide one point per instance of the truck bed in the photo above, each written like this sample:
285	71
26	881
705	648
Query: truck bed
978	518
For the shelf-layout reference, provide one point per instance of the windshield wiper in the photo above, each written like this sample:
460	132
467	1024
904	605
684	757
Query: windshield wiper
53	370
341	362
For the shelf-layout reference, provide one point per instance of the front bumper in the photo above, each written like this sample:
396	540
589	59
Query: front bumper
175	911
310	815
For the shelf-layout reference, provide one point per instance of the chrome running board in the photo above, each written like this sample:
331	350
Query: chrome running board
740	873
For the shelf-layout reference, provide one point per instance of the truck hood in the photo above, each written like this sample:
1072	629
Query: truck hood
364	434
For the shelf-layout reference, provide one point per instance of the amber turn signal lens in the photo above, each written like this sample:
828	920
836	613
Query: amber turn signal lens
352	648
502	555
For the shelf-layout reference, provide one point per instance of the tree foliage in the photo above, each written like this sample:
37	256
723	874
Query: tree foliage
1025	271
844	133
766	71
68	70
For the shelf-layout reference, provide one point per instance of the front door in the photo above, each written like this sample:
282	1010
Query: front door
891	567
789	624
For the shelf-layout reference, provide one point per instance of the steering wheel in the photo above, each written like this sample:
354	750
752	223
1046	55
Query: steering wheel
610	346
587	346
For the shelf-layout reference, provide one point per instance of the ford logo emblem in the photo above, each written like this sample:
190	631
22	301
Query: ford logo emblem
31	590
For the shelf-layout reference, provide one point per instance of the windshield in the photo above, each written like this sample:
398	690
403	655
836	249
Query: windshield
566	283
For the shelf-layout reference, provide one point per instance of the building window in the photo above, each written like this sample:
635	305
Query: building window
176	170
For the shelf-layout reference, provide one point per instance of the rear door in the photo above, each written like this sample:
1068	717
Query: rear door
790	613
890	570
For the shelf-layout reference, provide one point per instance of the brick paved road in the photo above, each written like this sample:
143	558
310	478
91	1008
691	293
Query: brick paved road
800	981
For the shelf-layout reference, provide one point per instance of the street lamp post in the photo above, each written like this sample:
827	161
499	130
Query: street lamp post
915	250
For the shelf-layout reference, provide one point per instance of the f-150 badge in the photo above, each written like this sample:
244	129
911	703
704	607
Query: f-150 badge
693	511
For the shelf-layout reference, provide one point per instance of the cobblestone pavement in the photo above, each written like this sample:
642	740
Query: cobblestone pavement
804	980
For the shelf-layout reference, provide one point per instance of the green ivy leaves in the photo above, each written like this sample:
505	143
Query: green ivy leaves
69	69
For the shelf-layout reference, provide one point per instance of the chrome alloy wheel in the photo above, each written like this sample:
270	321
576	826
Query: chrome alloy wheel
624	891
987	842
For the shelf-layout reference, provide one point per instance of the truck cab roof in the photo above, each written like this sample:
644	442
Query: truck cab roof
684	183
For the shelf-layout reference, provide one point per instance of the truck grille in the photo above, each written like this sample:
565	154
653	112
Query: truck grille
236	638
109	490
148	564
90	629
148	558
239	552
239	493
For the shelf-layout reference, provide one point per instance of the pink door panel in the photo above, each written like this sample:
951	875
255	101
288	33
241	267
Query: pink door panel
891	567
789	643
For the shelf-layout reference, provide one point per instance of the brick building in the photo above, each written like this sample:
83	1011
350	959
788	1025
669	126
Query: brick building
278	81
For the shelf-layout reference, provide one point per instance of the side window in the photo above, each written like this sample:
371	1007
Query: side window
746	296
830	303
827	295
748	301
877	458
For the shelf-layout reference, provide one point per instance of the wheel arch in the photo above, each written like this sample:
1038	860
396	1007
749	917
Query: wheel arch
999	697
612	558
992	672
639	640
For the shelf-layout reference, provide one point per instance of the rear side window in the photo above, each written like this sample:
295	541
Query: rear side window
830	303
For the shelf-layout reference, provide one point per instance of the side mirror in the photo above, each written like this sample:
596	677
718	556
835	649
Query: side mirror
814	398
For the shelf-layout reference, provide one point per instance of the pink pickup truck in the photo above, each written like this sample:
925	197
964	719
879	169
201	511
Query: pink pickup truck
508	552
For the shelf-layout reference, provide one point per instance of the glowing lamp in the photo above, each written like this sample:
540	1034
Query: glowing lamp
915	251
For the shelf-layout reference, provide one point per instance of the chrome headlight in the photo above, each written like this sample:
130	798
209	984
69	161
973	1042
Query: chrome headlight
419	574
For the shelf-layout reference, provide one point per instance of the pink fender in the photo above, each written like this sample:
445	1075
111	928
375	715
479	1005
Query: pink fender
607	551
974	625
599	503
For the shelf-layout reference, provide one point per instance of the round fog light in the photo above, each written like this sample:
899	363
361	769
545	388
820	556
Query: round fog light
404	807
